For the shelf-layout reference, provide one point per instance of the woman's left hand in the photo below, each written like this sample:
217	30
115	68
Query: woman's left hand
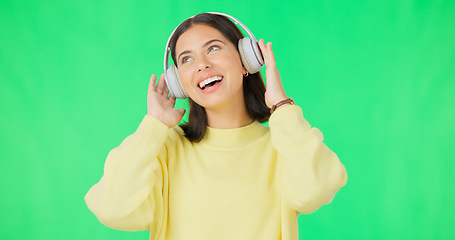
275	91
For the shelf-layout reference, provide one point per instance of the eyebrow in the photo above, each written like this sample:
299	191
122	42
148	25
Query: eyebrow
205	45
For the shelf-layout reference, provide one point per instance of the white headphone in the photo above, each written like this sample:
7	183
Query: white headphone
249	53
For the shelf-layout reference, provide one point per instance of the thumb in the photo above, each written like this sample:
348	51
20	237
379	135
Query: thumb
181	111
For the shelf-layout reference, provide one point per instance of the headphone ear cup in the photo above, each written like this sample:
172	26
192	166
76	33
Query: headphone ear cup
174	84
251	56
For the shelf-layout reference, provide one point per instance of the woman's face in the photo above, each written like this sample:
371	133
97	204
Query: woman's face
210	67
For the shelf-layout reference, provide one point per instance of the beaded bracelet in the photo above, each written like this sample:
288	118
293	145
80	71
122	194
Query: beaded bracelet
280	103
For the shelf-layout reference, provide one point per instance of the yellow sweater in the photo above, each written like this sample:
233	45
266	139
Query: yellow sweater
245	183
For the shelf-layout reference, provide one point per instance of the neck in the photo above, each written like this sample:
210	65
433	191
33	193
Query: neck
228	117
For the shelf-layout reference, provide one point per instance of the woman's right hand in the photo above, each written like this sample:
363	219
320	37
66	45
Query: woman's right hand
160	104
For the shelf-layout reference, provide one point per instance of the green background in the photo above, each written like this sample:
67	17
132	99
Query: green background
376	77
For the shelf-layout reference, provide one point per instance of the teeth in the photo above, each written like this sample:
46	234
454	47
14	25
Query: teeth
209	80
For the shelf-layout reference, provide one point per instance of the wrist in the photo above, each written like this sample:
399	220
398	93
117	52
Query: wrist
287	101
162	119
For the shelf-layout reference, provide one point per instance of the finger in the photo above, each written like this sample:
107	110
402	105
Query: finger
161	85
270	56
152	83
166	90
262	47
172	99
267	53
270	50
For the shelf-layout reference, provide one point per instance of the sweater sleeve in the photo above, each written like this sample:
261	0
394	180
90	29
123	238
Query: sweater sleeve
131	194
311	172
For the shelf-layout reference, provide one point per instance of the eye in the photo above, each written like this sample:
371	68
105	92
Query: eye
186	59
214	48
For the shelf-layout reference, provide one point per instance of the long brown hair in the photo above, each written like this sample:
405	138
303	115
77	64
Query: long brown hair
253	85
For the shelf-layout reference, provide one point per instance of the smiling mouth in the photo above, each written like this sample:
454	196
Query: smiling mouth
207	83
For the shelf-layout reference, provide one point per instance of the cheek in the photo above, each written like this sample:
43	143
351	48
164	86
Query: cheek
229	64
235	63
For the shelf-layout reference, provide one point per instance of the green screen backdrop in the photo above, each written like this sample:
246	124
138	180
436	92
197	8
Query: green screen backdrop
376	77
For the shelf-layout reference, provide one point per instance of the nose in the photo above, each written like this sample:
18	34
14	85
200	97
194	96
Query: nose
203	64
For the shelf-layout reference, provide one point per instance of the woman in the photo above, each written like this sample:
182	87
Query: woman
222	175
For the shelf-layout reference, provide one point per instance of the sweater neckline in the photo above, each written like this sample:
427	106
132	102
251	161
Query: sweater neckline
234	137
